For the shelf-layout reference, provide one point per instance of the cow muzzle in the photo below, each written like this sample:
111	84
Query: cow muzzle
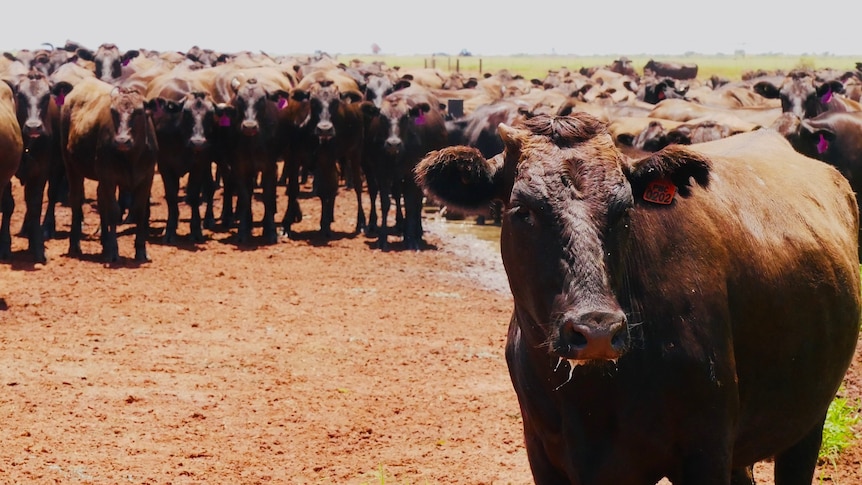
325	131
123	143
592	336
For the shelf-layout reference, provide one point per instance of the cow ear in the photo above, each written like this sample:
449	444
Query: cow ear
681	135
369	109
458	177
766	89
674	163
298	95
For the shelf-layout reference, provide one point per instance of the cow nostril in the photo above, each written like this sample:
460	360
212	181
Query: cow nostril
594	336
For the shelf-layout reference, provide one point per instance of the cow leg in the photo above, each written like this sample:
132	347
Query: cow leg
742	476
371	227
293	213
412	216
7	205
209	185
269	181
244	185
57	187
171	182
796	464
76	202
195	186
109	215
356	175
33	191
140	210
383	231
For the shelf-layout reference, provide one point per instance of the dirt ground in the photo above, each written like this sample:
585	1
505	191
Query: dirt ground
310	361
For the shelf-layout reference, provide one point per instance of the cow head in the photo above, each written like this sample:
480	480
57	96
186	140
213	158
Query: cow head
166	113
398	119
108	61
34	107
801	94
568	193
326	101
198	120
131	122
255	107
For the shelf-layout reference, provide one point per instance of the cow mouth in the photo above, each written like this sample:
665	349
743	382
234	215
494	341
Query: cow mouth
577	363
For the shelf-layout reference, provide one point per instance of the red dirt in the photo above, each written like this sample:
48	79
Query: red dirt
308	361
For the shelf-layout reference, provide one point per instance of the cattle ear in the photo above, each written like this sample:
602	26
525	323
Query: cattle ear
766	89
10	56
626	139
681	135
369	109
351	96
675	163
298	95
85	54
458	177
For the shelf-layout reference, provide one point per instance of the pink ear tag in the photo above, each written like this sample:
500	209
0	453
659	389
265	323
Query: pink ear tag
224	120
420	120
827	96
60	99
282	103
823	144
126	62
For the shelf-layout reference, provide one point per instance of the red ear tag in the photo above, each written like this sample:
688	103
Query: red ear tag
660	191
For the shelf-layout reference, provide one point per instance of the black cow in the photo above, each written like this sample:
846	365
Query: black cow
804	95
671	69
682	315
39	117
408	126
330	131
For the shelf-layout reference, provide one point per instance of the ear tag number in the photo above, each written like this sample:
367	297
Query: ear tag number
660	191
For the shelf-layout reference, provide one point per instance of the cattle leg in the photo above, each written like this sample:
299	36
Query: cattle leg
76	202
269	185
171	182
109	215
796	464
208	188
196	185
33	191
356	175
57	187
294	212
412	216
245	188
140	210
742	476
7	205
383	231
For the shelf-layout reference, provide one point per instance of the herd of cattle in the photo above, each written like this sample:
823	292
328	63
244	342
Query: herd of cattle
705	297
117	117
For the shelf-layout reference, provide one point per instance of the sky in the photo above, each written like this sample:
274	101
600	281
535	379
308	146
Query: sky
622	27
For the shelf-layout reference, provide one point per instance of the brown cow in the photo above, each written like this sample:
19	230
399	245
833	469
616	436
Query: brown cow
11	148
183	116
705	299
107	136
